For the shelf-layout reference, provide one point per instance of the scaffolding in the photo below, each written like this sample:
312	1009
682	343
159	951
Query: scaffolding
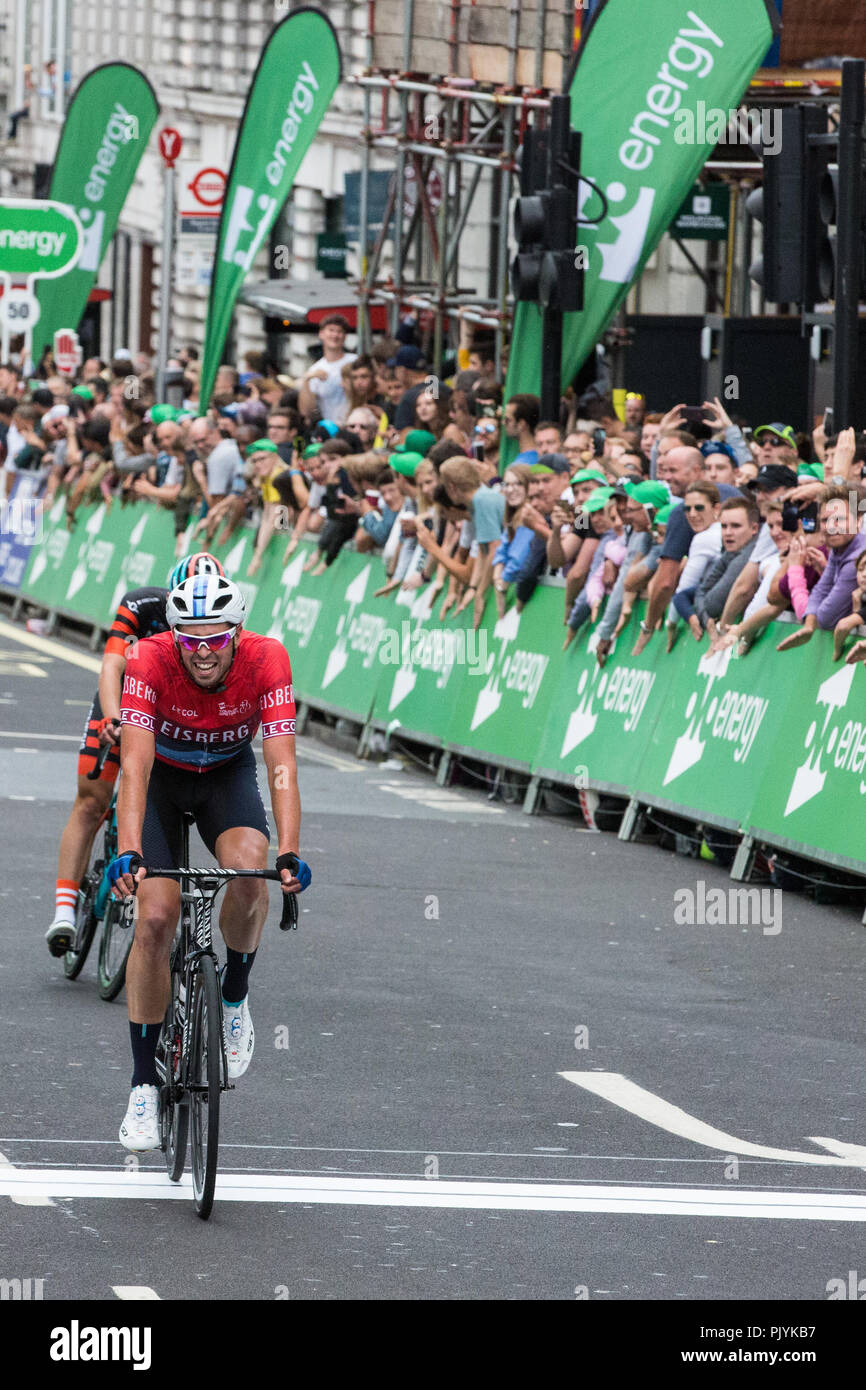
451	97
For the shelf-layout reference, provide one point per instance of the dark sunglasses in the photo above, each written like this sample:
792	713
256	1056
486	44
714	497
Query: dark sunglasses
697	507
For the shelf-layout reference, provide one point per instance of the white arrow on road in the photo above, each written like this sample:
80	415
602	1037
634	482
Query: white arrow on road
617	1089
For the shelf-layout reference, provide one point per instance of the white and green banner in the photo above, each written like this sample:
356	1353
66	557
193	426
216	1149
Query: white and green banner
640	94
291	90
107	127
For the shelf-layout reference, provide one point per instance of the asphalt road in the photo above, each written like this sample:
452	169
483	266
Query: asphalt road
415	1138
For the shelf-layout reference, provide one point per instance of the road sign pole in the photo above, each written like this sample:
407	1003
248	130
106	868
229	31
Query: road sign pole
4	326
851	124
167	276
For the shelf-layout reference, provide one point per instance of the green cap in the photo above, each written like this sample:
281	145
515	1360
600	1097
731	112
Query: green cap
311	451
261	446
597	499
83	391
650	494
779	430
159	414
662	514
811	470
405	462
540	470
416	442
589	475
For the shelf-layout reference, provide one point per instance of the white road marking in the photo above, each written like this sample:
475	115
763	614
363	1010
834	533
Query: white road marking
436	800
145	1185
318	755
141	1292
617	1089
24	1199
25	733
50	647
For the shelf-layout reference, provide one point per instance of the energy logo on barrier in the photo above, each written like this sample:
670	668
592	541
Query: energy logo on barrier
511	669
137	567
844	746
620	689
291	612
735	717
361	633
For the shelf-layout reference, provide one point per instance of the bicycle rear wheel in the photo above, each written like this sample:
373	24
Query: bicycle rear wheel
115	944
204	1082
84	930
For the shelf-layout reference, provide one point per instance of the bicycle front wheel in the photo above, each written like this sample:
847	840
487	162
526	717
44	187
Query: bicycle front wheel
115	944
204	1082
174	1110
85	929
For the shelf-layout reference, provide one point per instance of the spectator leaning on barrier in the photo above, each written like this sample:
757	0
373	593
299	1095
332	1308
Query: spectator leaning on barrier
548	483
516	538
487	513
701	504
643	501
772	484
831	598
603	515
740	520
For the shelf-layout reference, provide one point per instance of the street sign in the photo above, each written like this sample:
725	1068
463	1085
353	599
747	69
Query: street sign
19	310
67	353
170	145
38	238
202	190
331	255
704	214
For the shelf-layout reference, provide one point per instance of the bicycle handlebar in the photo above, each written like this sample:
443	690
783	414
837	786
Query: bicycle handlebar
103	753
289	917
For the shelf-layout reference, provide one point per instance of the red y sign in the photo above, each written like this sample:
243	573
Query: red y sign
170	143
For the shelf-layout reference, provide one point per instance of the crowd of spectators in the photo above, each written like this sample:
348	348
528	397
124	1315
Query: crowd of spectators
721	527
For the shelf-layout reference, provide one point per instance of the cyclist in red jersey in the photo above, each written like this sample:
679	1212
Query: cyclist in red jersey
193	700
141	613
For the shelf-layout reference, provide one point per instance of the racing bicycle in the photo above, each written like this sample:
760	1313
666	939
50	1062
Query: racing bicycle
96	906
190	1054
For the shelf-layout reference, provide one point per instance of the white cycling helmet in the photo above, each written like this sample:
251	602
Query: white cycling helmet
206	598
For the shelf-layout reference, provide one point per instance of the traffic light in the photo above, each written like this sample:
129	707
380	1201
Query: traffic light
785	269
828	212
547	268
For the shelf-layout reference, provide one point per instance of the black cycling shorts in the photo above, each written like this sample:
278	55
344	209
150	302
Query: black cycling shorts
224	799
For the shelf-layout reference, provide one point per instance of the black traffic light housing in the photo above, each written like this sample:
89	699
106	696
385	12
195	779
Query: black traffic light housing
787	268
547	268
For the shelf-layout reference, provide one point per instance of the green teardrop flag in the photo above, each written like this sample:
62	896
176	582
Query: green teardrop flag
107	127
294	82
640	94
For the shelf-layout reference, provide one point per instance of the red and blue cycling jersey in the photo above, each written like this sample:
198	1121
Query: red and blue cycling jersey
200	729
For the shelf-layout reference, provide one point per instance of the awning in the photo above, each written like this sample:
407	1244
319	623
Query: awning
302	302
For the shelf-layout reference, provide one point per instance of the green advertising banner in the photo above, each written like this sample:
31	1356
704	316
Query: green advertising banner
291	90
812	794
643	145
107	127
600	718
429	659
501	707
717	731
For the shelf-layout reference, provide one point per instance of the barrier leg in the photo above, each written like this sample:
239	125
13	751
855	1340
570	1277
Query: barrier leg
744	859
95	638
530	800
302	714
17	609
443	770
632	822
51	622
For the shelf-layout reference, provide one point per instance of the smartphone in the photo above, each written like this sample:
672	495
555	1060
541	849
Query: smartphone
793	517
599	438
828	422
693	414
478	450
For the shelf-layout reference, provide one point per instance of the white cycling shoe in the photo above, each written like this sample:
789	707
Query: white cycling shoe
140	1128
240	1037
